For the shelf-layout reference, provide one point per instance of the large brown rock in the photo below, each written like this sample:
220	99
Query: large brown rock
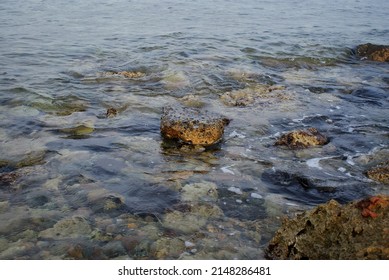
192	126
302	139
358	230
373	52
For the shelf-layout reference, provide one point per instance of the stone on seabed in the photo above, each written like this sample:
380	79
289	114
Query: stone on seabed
373	52
192	126
204	191
358	230
302	139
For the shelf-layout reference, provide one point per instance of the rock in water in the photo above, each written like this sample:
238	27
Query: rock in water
373	52
192	126
125	74
302	139
379	173
111	112
358	230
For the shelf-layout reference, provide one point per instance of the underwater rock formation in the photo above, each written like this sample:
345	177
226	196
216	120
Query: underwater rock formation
373	52
255	94
302	139
358	230
192	126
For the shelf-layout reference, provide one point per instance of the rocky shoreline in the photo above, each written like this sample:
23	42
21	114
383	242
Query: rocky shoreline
188	211
358	230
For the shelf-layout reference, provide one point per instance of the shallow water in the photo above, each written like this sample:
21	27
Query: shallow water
76	184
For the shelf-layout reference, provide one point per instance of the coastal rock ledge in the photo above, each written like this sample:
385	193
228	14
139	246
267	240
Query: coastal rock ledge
373	52
192	126
358	230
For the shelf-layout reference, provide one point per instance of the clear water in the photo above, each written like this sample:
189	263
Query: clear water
75	184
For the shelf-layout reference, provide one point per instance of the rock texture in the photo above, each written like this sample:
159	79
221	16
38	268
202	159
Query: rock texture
358	230
125	74
255	94
192	126
373	52
111	112
379	173
302	139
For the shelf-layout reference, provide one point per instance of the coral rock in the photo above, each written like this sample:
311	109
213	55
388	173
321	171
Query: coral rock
373	52
192	126
379	173
302	139
358	230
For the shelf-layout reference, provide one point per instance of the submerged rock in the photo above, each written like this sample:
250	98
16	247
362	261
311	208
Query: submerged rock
379	173
62	106
8	179
183	222
125	74
167	248
74	227
32	158
191	100
192	126
358	230
79	131
373	52
302	139
204	191
254	94
193	218
85	251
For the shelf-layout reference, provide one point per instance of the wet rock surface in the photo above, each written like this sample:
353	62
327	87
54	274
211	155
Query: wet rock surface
125	74
111	112
7	179
379	173
302	139
373	52
192	126
358	230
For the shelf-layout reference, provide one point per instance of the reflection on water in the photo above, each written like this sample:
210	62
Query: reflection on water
75	183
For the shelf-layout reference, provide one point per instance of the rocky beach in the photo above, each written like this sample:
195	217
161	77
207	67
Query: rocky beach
213	132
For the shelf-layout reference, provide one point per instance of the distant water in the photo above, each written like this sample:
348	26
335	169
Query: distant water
114	184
